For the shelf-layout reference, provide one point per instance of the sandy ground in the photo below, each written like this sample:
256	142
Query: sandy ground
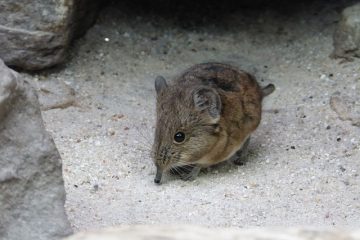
303	166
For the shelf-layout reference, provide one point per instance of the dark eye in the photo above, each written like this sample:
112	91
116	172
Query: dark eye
179	137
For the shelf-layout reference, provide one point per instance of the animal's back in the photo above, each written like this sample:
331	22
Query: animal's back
240	93
222	76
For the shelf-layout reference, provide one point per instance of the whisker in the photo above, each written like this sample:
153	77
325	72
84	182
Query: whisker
145	140
177	170
143	136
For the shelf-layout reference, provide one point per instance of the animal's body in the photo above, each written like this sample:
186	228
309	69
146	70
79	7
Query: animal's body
205	116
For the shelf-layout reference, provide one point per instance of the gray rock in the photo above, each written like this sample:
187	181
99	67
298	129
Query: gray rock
347	34
200	233
32	193
36	34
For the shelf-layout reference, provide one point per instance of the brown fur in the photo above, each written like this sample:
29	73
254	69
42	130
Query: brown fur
210	139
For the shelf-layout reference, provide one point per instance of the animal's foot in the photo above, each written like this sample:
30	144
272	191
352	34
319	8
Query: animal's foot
239	161
240	156
190	176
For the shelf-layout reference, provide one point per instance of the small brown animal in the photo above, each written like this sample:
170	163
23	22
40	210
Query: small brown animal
205	117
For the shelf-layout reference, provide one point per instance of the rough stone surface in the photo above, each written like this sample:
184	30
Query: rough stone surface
36	34
32	194
347	34
201	233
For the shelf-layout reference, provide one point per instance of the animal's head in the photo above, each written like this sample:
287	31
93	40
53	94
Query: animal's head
187	124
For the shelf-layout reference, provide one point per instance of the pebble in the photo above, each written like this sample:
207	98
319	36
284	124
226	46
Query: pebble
342	168
117	117
111	132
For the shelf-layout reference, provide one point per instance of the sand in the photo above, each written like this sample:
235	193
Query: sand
303	165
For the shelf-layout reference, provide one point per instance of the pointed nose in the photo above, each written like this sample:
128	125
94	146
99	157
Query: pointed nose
158	176
157	181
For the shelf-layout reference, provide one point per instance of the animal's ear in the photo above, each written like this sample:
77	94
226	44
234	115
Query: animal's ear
160	84
207	100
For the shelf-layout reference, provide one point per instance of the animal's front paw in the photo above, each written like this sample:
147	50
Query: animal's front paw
239	161
190	176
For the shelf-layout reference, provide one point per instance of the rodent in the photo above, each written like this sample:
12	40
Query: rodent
204	117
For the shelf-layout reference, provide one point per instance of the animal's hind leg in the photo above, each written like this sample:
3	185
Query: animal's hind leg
239	157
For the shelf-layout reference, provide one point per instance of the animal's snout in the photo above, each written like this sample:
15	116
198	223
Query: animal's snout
157	181
158	176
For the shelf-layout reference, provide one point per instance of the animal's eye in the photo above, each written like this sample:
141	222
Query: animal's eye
179	137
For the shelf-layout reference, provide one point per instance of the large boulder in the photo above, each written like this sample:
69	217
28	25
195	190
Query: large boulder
36	34
32	193
200	233
347	34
